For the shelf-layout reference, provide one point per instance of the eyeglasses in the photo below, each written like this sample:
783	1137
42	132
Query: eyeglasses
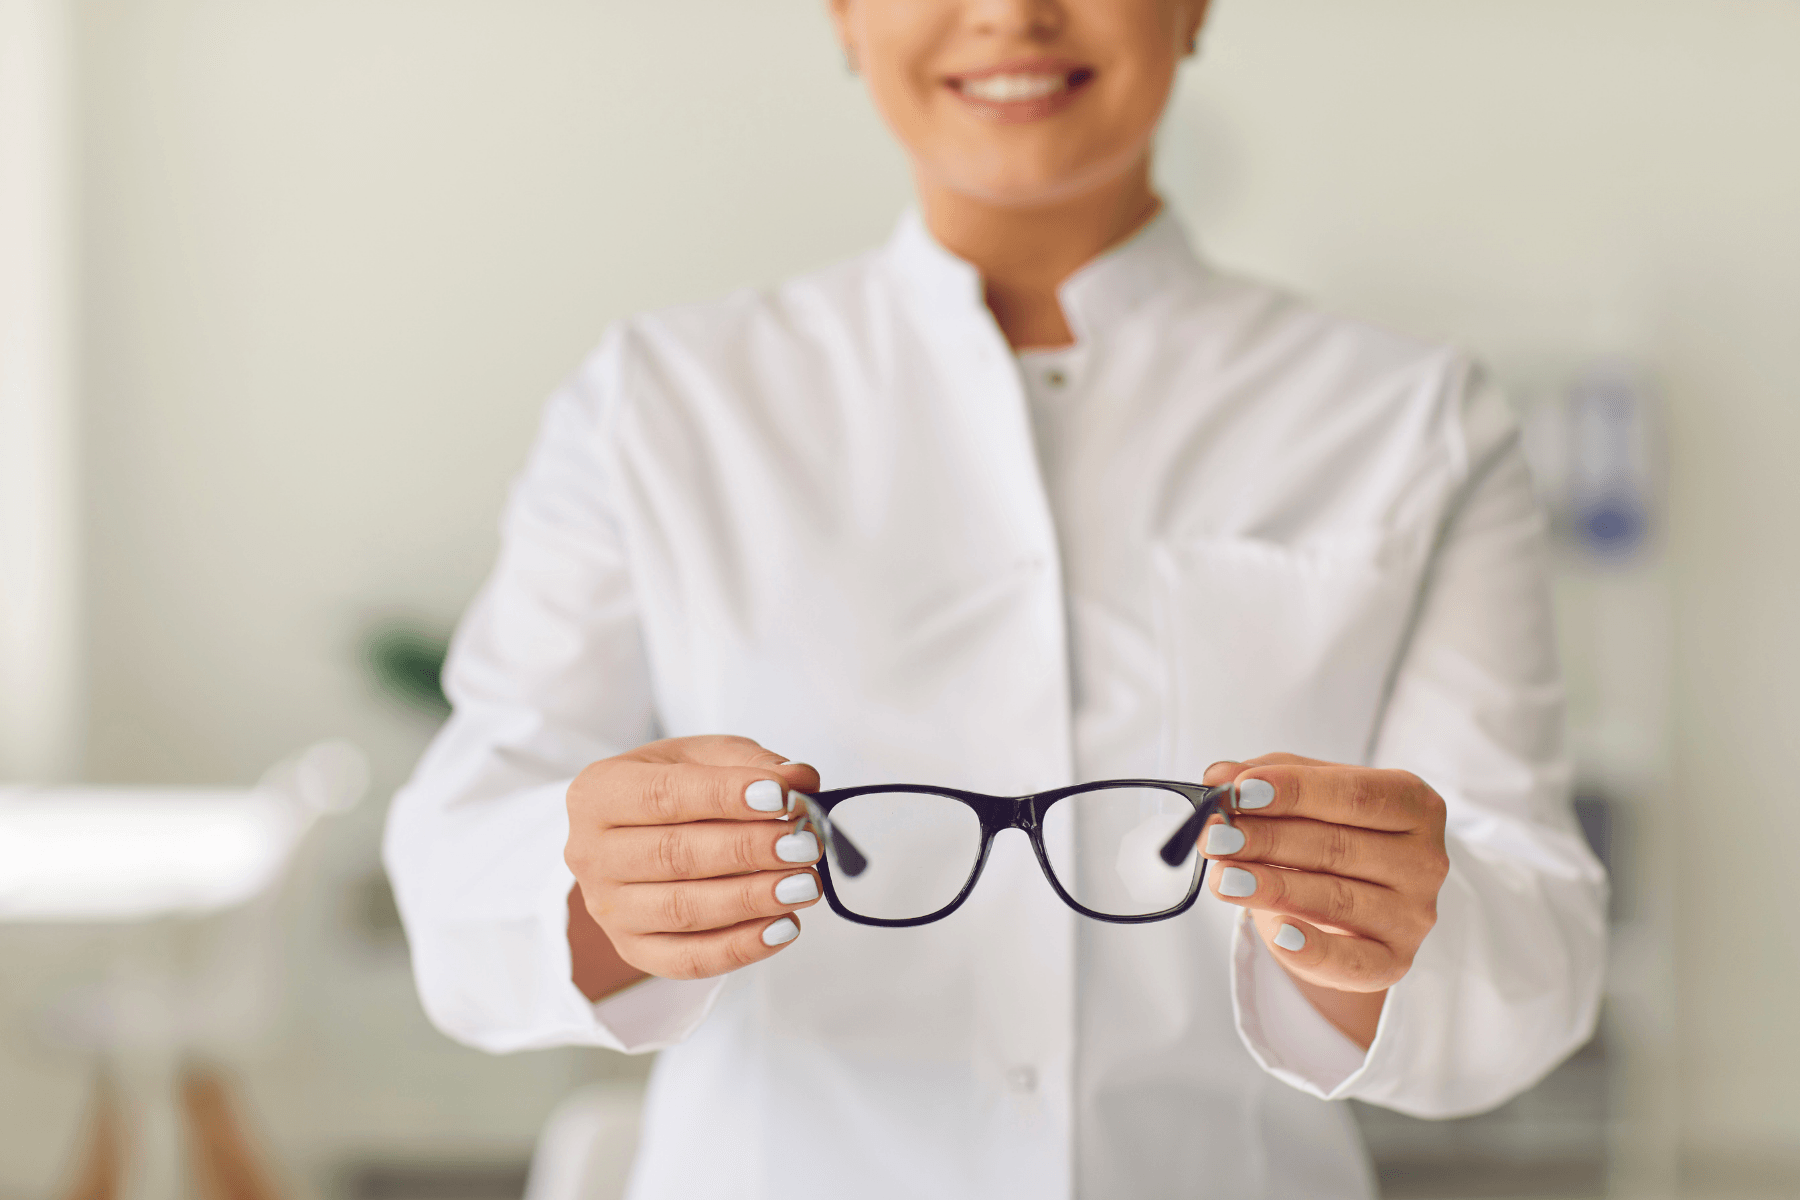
1122	850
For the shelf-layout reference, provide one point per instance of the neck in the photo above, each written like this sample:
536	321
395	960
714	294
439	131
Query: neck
1024	254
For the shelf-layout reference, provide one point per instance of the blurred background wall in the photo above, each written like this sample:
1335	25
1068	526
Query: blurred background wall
330	256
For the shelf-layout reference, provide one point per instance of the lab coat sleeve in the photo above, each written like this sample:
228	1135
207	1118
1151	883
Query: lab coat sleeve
546	674
1508	982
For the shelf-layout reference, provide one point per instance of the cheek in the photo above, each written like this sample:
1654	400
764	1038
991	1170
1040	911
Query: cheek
905	104
898	42
1143	91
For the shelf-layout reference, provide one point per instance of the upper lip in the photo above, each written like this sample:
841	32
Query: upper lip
1021	66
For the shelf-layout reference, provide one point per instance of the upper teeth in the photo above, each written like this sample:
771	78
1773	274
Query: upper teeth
1003	88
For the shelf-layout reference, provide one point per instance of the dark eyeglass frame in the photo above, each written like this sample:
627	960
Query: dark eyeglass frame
1026	814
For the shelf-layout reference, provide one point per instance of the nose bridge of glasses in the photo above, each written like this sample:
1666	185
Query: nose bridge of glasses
1021	813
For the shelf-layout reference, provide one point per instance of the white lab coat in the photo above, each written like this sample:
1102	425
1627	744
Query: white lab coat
843	519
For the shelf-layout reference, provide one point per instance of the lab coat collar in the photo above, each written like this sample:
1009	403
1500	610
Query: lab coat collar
1156	259
947	287
1102	293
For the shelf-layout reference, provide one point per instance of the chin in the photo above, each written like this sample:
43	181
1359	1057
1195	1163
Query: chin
1035	186
1036	171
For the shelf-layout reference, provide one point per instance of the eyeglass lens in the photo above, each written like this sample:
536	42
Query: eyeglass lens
1105	849
918	851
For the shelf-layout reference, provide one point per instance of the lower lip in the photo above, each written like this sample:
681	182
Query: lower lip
1017	112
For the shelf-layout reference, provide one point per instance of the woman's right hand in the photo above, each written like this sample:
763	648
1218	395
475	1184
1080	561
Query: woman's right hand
682	860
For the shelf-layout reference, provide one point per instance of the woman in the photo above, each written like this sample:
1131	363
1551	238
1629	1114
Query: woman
1027	497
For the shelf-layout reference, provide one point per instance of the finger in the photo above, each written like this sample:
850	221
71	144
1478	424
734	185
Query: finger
1342	905
1292	760
695	905
629	796
708	750
701	850
657	793
1225	772
1394	801
715	952
800	777
1350	964
1300	844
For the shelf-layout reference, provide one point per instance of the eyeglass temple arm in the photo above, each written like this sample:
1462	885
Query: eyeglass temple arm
1221	800
850	860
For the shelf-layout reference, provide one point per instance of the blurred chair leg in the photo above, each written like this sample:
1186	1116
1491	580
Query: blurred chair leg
101	1164
226	1165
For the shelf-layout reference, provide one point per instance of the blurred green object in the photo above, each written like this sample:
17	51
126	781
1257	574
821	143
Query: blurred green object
407	664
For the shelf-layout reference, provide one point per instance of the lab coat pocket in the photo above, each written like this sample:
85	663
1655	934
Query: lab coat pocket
1280	647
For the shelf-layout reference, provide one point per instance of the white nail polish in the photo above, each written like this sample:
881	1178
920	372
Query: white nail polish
764	796
1255	793
1237	883
795	801
781	932
798	847
1290	938
797	889
1223	839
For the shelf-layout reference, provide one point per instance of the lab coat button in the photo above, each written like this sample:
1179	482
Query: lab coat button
1022	1079
1055	378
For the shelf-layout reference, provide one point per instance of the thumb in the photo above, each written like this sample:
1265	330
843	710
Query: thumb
799	777
1223	772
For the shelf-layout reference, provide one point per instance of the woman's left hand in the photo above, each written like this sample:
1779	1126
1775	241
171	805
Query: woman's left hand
1340	868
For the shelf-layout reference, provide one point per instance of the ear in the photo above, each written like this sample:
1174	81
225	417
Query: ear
840	20
1193	23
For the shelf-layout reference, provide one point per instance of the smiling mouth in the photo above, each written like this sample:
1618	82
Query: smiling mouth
1021	89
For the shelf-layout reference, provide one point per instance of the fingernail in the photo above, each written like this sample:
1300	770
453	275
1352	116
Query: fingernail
764	796
781	932
1255	793
1237	882
797	889
1223	839
1290	938
795	800
798	847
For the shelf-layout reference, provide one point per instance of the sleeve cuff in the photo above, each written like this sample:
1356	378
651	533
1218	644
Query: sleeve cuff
650	1015
655	1013
1282	1030
486	906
